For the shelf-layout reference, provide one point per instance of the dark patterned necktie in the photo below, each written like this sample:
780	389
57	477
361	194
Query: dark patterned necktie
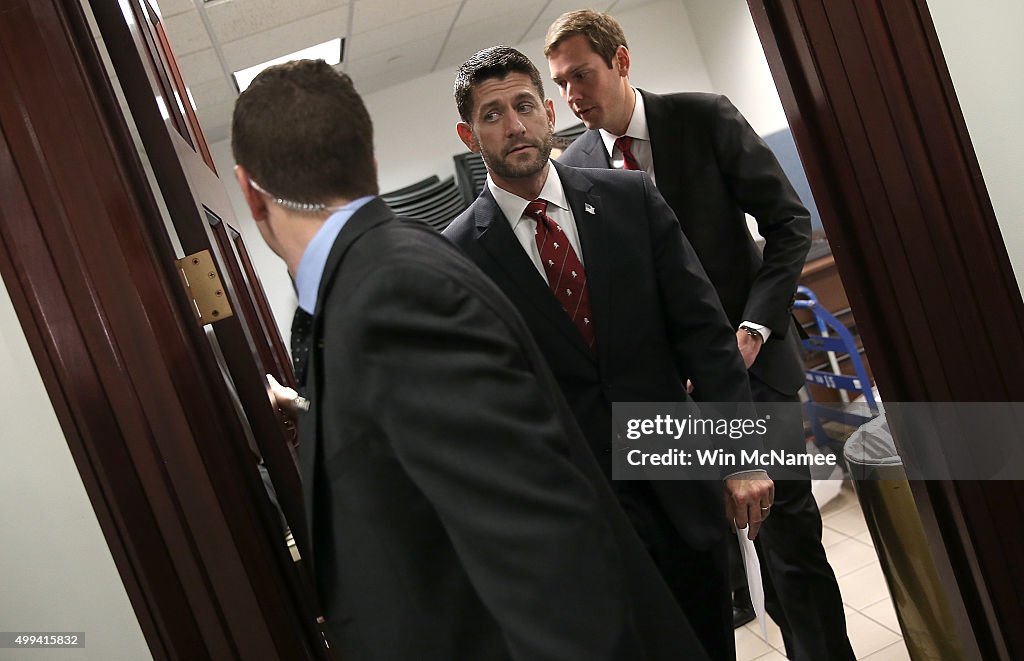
302	326
565	273
624	144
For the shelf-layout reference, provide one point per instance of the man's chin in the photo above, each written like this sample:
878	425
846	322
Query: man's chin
590	120
520	170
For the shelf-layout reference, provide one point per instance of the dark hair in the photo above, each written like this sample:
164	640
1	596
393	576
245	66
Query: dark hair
493	62
303	133
603	33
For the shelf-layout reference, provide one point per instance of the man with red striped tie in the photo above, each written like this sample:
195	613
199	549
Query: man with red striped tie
616	299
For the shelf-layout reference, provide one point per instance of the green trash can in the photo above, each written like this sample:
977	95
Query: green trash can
899	539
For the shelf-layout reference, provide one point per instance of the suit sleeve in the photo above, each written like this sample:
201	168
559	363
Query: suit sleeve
465	416
703	342
761	189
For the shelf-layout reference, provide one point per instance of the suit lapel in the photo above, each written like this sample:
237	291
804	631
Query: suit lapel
496	237
588	211
371	214
594	153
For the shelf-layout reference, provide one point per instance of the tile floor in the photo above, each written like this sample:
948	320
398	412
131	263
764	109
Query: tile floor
870	618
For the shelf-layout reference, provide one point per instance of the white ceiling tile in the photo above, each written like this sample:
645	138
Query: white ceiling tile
619	6
374	79
372	14
200	66
213	93
397	33
216	121
186	33
423	51
172	7
467	40
284	39
476	11
370	76
548	16
242	18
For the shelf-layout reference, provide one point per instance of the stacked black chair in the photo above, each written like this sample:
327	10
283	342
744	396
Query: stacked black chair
432	200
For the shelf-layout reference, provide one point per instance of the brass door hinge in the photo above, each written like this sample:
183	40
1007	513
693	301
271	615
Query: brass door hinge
202	282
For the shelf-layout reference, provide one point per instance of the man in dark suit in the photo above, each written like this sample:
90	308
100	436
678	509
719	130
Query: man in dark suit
621	309
456	512
712	169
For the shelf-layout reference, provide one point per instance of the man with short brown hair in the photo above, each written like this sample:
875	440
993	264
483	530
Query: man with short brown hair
712	169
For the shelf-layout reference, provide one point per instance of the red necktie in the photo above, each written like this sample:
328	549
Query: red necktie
629	161
565	273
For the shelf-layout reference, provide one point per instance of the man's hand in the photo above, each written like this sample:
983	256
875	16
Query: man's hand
283	398
287	405
749	346
748	500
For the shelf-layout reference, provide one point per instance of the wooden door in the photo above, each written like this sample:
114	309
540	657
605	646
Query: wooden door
166	417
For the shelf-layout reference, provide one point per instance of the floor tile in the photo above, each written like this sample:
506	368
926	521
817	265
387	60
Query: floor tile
868	636
830	536
750	646
849	521
865	537
894	652
774	637
883	613
863	587
850	555
844	501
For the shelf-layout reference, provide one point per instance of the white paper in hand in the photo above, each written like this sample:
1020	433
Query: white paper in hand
754	583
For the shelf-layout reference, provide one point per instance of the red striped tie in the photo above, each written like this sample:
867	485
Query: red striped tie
629	161
565	273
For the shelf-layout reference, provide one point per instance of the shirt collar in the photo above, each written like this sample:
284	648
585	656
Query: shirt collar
637	128
514	206
314	258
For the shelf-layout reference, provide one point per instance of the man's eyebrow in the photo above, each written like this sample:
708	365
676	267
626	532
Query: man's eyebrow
572	71
518	98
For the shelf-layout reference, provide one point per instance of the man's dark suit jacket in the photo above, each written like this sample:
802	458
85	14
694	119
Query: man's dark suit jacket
711	167
456	511
657	319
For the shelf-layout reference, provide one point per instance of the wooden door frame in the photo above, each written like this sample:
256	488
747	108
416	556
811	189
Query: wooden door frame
147	414
915	238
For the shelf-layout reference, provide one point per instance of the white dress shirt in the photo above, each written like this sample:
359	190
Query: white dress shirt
641	147
525	227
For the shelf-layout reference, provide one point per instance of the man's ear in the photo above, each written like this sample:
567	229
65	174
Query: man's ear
467	136
256	201
549	108
622	60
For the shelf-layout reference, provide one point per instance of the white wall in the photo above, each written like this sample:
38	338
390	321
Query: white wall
735	61
56	571
983	48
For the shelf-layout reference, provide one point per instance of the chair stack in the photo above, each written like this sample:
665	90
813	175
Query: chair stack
434	201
